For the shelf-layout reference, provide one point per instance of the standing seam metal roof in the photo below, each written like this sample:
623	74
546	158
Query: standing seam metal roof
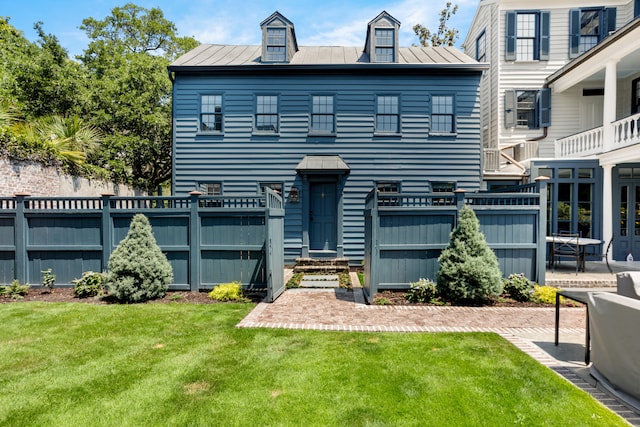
225	55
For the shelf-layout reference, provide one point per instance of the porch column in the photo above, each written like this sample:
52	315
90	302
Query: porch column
609	114
607	206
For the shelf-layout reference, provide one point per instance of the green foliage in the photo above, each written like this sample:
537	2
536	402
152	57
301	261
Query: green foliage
294	281
518	287
48	279
227	292
545	294
469	270
445	36
89	285
382	301
424	290
15	290
138	270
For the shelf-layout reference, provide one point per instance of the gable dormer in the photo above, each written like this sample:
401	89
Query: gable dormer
382	38
278	39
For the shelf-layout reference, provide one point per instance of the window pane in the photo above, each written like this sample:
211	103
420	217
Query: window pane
267	113
211	113
388	187
322	117
545	172
387	118
211	188
585	173
564	207
585	209
625	173
275	53
276	36
525	36
526	101
624	207
384	37
565	173
442	113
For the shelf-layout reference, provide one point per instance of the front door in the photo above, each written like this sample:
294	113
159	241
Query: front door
627	236
322	218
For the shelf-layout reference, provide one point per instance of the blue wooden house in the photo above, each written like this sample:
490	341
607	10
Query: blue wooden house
325	126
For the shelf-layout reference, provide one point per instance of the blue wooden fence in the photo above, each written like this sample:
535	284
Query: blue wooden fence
207	240
405	233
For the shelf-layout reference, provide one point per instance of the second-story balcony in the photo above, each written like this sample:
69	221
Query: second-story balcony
622	133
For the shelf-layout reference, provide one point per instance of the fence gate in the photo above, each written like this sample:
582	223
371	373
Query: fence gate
274	243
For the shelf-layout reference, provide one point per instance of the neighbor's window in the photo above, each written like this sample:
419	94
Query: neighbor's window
588	26
388	187
387	114
527	36
384	45
267	113
276	44
443	187
322	114
211	113
275	186
481	47
527	108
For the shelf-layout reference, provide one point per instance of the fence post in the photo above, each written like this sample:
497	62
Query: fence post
107	229
541	183
194	240
459	195
20	230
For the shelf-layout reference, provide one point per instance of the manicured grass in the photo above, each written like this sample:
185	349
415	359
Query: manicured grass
181	364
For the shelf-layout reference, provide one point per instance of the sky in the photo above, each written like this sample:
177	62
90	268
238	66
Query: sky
317	23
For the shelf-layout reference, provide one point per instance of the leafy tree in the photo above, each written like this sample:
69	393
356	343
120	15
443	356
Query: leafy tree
127	60
138	270
469	270
445	36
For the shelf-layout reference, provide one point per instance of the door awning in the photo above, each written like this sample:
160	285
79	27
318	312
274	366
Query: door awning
325	164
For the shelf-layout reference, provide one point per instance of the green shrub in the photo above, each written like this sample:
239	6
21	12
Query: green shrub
227	292
518	287
424	290
89	285
469	270
545	294
16	290
138	270
48	279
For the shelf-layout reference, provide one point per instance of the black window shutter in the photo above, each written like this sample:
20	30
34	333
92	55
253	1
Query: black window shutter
510	108
574	33
510	39
545	29
544	108
609	21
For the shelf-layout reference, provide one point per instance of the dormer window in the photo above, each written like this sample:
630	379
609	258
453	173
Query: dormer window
381	44
279	43
276	44
384	45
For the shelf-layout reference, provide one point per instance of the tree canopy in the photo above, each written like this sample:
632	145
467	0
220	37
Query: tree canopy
118	87
445	36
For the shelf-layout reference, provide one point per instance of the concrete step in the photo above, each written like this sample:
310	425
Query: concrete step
322	265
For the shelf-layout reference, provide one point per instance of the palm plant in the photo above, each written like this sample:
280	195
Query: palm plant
71	138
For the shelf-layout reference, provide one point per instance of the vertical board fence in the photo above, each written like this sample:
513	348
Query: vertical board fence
405	233
207	240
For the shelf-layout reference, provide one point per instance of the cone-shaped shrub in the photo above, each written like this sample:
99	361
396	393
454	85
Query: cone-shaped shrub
138	270
469	270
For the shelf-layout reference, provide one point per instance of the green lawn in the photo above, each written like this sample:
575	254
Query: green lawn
182	364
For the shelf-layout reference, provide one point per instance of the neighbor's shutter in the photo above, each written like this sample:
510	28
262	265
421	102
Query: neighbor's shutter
545	28
510	108
544	107
510	40
609	21
574	33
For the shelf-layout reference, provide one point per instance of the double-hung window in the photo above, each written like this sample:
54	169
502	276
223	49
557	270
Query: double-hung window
527	108
384	40
211	188
267	113
442	114
276	44
527	35
588	26
211	113
387	114
481	47
322	114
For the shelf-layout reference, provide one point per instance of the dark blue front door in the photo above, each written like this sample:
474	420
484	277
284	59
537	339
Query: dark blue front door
322	217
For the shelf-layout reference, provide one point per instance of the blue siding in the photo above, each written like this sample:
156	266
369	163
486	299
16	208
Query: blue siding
239	159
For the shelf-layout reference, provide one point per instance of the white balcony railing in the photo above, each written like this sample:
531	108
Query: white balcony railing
625	133
581	144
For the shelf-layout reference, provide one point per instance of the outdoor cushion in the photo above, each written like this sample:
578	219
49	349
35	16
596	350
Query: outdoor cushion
615	343
629	284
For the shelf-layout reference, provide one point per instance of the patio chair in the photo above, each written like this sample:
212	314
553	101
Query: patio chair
566	245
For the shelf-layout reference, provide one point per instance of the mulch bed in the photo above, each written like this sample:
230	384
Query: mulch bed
394	297
66	295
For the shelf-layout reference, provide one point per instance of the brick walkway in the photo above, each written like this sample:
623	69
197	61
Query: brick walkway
342	310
